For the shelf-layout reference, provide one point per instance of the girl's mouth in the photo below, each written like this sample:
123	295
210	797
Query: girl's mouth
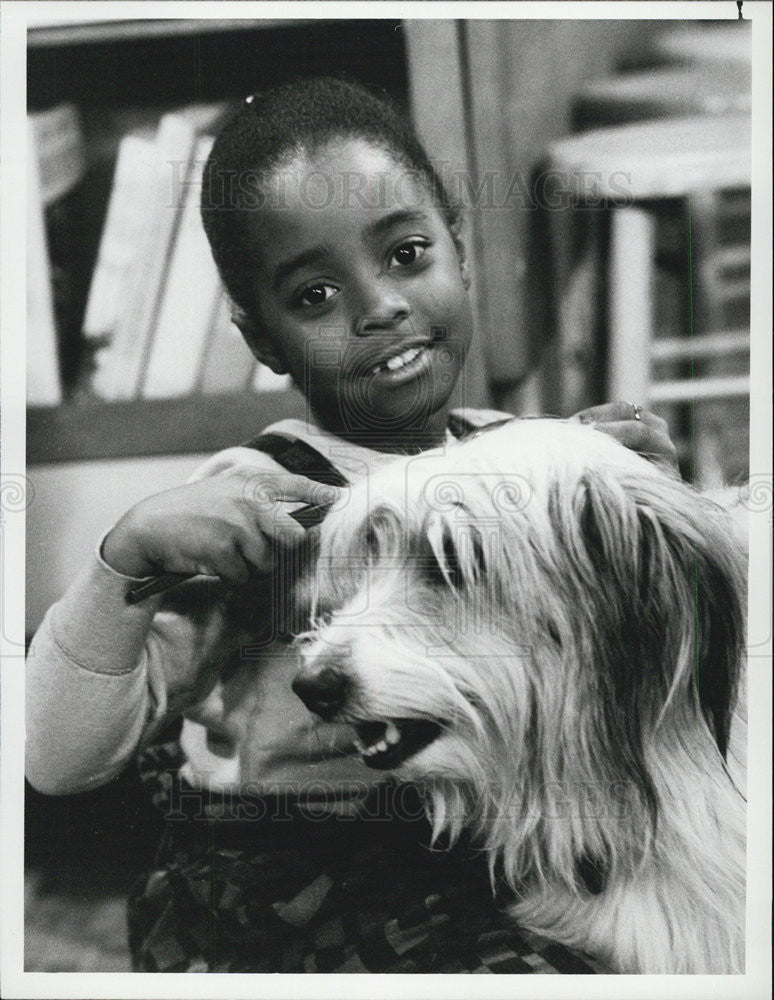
403	366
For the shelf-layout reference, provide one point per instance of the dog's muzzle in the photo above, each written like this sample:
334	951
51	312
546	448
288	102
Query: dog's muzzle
383	744
323	692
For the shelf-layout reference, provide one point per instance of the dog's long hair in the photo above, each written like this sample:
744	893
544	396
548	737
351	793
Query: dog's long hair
572	621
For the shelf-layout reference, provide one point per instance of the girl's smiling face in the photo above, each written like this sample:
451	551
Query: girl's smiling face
361	294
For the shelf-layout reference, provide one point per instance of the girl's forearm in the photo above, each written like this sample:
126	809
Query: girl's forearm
89	691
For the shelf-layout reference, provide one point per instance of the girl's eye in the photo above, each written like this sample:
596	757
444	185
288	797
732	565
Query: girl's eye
316	295
407	253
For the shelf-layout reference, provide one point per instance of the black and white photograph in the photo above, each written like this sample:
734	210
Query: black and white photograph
386	508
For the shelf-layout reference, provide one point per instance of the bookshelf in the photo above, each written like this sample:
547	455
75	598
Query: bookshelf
123	74
94	430
52	33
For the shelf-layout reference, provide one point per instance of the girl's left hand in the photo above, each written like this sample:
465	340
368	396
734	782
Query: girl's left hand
636	428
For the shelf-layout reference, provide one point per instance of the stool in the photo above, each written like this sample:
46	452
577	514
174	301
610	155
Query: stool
719	43
669	92
610	187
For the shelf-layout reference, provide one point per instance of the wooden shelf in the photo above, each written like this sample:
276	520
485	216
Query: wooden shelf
67	32
150	63
98	431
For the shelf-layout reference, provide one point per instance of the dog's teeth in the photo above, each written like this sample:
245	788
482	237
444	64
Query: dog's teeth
359	745
392	734
381	746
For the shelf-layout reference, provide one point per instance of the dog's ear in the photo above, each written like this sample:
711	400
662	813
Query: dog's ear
716	569
696	570
673	584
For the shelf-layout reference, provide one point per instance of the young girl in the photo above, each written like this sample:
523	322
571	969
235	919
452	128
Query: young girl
341	252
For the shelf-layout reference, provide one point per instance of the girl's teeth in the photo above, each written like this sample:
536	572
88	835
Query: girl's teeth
400	360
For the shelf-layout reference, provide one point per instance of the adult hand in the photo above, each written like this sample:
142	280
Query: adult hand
634	427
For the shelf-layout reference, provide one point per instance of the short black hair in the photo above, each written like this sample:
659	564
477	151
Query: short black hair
274	125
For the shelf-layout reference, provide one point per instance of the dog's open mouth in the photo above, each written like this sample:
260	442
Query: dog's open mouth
387	744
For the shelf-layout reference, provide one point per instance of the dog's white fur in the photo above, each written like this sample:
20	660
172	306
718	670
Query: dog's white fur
573	618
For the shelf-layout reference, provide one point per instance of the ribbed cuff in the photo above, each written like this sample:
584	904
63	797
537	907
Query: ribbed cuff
95	626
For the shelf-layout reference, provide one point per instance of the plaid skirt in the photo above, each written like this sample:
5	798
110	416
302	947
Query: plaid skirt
292	889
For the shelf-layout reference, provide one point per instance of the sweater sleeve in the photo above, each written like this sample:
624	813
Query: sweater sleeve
103	677
89	691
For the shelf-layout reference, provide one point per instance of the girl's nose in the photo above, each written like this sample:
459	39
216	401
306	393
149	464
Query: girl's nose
382	307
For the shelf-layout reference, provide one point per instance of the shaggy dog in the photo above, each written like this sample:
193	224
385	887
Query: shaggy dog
545	632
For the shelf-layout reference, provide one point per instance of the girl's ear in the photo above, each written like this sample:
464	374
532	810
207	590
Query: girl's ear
462	251
258	341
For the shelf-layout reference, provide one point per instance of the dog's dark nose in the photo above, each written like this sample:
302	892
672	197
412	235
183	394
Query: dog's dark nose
324	692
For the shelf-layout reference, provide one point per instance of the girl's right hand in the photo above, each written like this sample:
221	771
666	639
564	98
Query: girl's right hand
227	526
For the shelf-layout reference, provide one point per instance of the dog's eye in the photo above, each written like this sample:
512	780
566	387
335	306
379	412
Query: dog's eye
304	639
322	617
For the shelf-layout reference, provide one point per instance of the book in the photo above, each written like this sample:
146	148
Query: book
59	144
120	372
43	382
228	364
121	237
188	300
59	150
